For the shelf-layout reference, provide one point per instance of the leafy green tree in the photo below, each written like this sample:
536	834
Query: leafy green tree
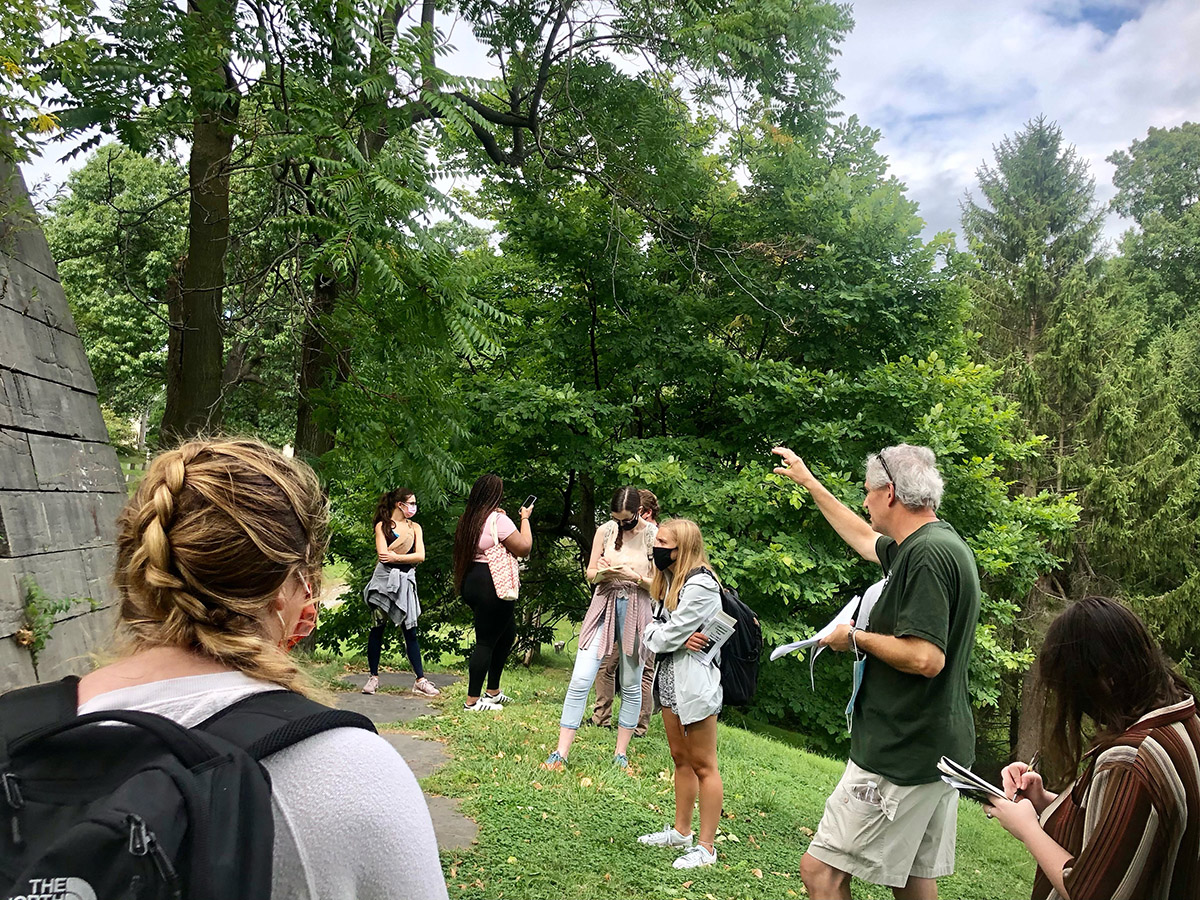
1085	355
1150	528
1158	186
117	235
668	345
40	40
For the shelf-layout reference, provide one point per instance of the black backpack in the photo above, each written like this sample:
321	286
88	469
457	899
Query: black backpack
741	654
94	812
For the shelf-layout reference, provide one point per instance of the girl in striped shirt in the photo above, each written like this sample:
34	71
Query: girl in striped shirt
1129	825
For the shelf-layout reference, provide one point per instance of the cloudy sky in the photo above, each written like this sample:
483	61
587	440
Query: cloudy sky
945	80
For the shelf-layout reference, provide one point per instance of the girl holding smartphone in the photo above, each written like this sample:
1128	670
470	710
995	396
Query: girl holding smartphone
495	622
620	569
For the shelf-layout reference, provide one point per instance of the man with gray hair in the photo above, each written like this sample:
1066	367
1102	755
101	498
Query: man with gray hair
891	820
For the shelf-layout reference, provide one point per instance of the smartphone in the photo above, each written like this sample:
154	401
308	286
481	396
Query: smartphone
529	501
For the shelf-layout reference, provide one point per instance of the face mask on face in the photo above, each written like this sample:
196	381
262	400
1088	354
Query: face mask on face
662	557
628	524
410	509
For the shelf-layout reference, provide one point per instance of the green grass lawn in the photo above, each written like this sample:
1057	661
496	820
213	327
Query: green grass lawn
551	835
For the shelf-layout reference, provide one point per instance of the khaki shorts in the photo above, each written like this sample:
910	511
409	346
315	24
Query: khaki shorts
907	831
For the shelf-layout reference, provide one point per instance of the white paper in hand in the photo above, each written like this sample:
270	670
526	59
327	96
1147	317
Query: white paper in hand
869	598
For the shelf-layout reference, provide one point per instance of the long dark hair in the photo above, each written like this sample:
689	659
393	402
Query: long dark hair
628	499
1099	661
387	502
484	497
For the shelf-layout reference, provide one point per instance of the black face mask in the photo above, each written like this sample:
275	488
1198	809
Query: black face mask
662	557
628	524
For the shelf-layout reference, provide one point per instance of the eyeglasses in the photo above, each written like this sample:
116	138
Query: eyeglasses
886	470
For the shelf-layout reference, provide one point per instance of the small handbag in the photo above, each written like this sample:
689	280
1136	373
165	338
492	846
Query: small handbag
503	566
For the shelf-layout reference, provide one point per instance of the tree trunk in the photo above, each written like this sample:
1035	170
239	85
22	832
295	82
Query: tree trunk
1029	722
1039	609
195	350
317	414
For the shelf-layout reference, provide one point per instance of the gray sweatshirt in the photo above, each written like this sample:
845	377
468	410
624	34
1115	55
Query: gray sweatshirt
350	818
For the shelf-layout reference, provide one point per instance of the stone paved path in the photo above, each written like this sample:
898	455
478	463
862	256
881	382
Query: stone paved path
454	830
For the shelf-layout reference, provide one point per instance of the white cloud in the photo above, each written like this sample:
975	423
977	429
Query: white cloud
946	80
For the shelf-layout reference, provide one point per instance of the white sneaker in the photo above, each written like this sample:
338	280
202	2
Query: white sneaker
696	857
668	837
372	685
483	704
426	687
500	697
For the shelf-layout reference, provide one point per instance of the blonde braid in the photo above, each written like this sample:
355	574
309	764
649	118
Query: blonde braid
213	533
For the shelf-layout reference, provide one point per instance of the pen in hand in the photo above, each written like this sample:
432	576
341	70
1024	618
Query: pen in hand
1032	767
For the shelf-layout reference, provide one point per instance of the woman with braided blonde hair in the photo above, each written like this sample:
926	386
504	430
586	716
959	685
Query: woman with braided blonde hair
218	562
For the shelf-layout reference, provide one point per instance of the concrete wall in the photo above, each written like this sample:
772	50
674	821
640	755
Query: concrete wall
61	486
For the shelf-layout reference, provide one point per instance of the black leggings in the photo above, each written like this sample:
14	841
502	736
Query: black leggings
411	646
495	629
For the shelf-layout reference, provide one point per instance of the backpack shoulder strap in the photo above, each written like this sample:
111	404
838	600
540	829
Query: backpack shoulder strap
270	721
34	708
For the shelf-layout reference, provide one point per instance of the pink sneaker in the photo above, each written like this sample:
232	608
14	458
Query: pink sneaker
426	687
372	685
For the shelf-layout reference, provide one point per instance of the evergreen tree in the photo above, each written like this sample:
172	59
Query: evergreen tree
1088	351
1034	238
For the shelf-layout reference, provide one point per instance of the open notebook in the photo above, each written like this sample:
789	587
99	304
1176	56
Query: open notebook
967	782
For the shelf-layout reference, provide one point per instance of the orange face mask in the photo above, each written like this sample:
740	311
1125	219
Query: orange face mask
306	625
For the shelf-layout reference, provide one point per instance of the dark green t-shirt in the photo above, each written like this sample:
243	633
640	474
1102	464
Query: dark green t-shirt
903	724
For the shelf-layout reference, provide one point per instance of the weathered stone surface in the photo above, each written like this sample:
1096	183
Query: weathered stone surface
32	347
63	464
424	757
20	235
84	574
16	462
35	404
34	294
385	709
68	652
60	485
44	521
454	831
16	665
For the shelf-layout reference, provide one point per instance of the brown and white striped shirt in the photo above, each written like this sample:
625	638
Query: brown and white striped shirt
1132	819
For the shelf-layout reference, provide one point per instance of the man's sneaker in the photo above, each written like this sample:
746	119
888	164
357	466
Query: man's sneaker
483	704
697	856
426	687
555	762
668	837
500	697
620	760
372	685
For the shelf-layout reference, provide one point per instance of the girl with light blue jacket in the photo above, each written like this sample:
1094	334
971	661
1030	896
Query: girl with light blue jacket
687	688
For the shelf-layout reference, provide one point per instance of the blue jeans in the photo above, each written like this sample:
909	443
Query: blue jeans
587	664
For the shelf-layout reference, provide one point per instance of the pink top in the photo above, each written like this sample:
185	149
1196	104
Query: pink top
504	528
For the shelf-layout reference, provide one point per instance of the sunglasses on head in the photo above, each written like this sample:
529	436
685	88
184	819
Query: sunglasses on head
886	470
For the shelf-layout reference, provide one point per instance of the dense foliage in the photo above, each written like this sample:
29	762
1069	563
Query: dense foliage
684	255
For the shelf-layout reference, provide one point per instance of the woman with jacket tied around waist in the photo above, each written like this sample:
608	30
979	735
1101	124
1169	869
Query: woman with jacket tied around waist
686	687
619	567
606	679
392	591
